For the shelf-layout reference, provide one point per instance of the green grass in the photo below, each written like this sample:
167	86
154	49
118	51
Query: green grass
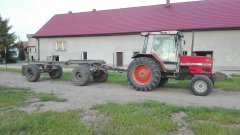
12	96
117	78
231	84
214	129
149	117
152	117
214	121
67	76
145	118
20	96
13	70
45	123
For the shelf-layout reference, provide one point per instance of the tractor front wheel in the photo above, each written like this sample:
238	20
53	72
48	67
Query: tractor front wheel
143	74
201	85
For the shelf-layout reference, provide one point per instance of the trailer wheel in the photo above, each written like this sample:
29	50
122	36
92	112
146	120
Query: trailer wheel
32	73
143	74
201	85
100	76
80	75
162	82
23	69
56	73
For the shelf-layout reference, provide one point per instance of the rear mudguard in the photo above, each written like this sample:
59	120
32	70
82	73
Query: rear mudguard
155	57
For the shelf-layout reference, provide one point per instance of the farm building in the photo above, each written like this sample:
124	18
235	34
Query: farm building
210	27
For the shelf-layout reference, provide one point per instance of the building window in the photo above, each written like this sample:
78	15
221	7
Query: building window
61	46
56	58
119	59
31	50
85	55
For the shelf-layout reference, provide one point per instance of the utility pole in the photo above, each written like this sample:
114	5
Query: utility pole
6	56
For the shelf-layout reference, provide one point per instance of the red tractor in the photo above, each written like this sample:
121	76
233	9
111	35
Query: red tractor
162	58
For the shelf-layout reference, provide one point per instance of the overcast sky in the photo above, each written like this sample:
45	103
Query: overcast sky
28	16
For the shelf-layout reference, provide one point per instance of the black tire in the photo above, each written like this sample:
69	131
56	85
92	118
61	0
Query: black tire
23	69
162	82
80	75
32	73
56	73
151	66
100	76
201	85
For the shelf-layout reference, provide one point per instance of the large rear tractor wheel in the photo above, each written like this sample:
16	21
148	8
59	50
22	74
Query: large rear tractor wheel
32	73
201	85
80	75
143	74
162	82
56	73
100	76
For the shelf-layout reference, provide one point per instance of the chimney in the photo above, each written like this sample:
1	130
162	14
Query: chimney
168	3
69	12
94	10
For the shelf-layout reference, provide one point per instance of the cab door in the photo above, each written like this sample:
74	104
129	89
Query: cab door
165	47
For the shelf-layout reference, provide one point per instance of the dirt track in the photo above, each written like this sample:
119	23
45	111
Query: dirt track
86	96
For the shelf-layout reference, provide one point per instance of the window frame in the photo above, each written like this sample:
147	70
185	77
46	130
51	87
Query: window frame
63	46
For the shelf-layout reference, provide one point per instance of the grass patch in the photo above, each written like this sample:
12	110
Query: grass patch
13	70
214	129
50	123
231	84
219	115
66	76
154	118
145	118
215	121
117	78
12	96
19	96
44	97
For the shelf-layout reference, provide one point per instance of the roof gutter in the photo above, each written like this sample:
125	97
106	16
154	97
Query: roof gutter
168	3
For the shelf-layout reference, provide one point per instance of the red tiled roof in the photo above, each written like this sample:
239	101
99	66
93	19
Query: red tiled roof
208	14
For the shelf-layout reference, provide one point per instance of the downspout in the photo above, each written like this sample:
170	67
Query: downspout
192	43
38	42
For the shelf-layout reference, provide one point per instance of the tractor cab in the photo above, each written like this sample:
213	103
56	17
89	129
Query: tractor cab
166	46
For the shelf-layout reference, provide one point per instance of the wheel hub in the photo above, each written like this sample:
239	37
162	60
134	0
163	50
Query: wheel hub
78	75
200	86
142	74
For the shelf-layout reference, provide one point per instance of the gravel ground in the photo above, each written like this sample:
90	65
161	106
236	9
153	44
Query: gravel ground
79	97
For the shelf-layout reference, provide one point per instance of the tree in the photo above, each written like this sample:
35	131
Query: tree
22	51
7	38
